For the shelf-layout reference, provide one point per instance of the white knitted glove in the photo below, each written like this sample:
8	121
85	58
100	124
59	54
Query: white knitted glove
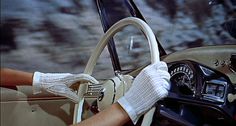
151	85
59	83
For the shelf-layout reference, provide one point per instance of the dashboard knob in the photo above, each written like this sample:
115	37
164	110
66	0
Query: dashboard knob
231	97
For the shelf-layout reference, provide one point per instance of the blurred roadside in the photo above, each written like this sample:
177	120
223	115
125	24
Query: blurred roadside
59	35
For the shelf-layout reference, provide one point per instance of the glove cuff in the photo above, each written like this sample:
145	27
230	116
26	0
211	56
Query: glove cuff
36	83
129	109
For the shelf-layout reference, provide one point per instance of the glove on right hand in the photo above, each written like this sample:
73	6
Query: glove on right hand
151	85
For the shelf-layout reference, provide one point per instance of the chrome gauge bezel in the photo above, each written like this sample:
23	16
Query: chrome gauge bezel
184	75
212	97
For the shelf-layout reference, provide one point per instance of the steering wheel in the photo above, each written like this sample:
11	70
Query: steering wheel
85	88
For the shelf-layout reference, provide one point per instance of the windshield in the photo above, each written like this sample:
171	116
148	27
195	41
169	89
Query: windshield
180	24
59	35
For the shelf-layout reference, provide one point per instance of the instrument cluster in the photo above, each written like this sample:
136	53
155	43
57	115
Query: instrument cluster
196	81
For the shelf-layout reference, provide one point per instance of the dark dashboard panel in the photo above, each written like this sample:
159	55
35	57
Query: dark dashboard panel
201	80
198	96
193	80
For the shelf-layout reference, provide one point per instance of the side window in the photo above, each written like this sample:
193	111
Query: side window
132	48
49	36
103	68
182	24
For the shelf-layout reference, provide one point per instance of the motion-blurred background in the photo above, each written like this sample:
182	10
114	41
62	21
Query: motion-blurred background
59	35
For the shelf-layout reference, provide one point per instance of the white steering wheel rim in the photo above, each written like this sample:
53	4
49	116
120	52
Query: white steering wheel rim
99	48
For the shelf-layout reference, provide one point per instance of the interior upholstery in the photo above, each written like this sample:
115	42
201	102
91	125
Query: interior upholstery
20	107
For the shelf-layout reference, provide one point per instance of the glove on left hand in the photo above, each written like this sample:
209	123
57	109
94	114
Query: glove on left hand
59	83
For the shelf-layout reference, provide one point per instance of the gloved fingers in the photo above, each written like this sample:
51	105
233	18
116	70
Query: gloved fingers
159	66
160	79
153	73
163	74
72	96
153	68
86	77
161	93
163	85
62	90
166	85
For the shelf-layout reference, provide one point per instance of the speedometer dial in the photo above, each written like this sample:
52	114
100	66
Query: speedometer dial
182	77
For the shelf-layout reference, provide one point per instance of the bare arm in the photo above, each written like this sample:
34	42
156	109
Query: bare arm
11	77
59	83
115	115
151	85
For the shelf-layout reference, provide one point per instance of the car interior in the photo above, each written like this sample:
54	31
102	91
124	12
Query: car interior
203	81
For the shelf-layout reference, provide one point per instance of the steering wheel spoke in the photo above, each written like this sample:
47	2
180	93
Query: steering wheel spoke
111	90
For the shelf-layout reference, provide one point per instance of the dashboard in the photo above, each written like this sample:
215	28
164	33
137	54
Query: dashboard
193	80
201	80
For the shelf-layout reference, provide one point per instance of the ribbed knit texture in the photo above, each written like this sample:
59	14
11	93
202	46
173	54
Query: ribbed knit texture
59	83
151	85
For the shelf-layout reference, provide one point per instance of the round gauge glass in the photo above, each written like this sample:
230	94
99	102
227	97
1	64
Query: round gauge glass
182	78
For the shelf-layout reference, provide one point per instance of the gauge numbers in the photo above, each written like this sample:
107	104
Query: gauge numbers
182	76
